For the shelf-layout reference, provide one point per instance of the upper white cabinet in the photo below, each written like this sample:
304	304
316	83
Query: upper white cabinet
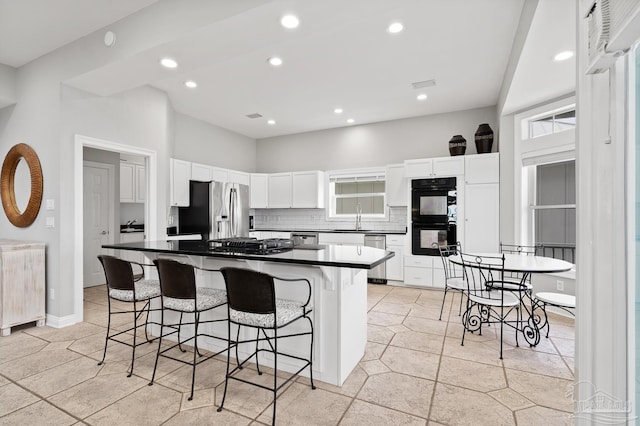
279	191
141	184
433	167
201	172
396	186
132	183
259	188
482	168
180	172
241	178
219	175
127	177
307	189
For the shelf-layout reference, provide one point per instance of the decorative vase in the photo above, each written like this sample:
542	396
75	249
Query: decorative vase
457	145
484	138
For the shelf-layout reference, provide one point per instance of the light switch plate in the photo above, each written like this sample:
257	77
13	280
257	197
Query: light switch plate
50	204
51	222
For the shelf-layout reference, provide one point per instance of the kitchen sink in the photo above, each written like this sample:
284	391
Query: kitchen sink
126	230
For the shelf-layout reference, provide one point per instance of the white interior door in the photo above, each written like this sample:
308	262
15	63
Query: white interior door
98	210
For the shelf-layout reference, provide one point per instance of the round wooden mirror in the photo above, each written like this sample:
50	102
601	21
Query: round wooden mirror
15	155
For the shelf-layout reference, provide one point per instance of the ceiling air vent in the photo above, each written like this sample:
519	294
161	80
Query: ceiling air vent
254	115
423	84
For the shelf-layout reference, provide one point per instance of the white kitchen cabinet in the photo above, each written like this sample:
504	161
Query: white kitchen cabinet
482	168
307	189
434	167
127	179
259	188
396	186
141	183
132	183
279	190
219	175
201	172
482	218
424	271
180	173
241	178
395	265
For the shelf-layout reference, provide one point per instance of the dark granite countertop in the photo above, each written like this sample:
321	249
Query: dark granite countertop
342	256
334	231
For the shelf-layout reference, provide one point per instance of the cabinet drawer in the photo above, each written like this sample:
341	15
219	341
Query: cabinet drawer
395	240
417	276
419	261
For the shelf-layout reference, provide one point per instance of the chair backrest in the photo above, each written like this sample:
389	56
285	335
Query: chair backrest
118	272
481	272
518	249
451	270
177	280
521	250
249	291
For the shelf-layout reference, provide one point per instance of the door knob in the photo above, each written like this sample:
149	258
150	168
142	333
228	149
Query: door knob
104	233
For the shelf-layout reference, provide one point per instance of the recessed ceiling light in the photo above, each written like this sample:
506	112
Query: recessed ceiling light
168	63
275	61
563	56
395	27
271	122
338	110
191	84
351	120
422	96
290	21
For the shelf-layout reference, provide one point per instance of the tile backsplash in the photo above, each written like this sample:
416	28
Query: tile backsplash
301	219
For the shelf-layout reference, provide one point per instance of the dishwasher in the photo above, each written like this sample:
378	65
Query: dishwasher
377	275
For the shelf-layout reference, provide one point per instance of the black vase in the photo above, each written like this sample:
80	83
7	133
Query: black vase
484	139
457	145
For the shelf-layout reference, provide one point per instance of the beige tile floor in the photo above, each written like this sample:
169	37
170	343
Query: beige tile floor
414	372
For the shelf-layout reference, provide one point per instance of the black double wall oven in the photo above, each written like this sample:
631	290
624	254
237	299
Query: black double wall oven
434	213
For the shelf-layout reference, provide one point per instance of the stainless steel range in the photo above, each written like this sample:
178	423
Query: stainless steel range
251	245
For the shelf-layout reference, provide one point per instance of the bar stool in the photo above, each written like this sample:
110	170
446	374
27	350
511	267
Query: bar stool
252	303
180	294
123	287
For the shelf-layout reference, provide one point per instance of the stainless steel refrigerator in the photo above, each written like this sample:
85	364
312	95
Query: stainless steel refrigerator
229	210
216	210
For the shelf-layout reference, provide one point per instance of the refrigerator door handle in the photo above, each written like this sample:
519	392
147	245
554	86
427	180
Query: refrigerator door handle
232	216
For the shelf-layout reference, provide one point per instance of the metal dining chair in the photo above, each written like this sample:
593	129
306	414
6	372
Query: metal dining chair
453	274
488	301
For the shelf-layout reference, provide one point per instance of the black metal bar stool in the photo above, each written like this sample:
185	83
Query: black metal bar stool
180	294
253	303
124	287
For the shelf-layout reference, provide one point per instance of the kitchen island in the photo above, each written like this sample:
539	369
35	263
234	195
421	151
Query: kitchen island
338	276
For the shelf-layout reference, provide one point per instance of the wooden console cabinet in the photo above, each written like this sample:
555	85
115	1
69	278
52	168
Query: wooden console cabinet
22	284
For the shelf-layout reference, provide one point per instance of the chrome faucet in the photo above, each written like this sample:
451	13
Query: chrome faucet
130	222
358	217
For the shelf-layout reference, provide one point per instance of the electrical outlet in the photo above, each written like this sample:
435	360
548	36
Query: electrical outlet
52	294
170	219
560	285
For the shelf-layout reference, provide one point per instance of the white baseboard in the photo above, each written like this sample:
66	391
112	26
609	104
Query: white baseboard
60	322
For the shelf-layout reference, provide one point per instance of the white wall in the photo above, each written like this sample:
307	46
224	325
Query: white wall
201	142
370	145
7	85
507	206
